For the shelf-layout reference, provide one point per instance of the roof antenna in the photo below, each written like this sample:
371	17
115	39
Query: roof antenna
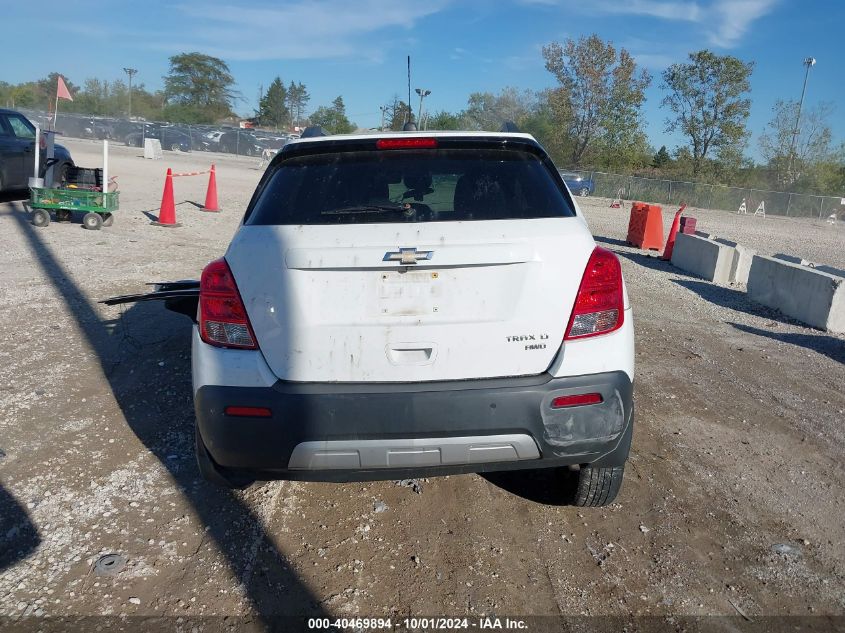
409	126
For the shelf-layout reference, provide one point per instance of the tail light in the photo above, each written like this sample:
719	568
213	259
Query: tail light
599	306
223	318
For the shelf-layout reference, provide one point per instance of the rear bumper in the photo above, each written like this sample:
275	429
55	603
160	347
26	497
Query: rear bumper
376	431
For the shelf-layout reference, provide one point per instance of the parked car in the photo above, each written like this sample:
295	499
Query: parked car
403	306
170	139
123	128
17	153
481	326
578	184
273	142
240	142
196	136
212	138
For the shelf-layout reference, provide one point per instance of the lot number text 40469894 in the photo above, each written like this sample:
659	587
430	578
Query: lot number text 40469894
417	624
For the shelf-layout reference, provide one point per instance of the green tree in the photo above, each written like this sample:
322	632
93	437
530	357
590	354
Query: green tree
661	158
487	111
396	113
333	118
147	104
273	107
6	93
45	89
604	89
198	88
707	98
829	175
92	98
443	121
298	99
812	143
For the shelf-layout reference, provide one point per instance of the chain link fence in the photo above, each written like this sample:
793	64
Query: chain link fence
182	137
257	142
706	196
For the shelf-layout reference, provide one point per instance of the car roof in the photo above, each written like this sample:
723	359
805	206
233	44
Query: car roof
418	134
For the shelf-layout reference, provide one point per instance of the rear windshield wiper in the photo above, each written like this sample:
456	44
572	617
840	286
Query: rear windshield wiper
368	208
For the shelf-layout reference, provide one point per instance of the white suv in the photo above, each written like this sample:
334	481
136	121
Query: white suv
413	305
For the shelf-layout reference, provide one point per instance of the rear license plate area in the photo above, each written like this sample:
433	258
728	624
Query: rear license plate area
409	293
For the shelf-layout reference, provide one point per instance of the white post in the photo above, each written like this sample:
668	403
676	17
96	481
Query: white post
105	168
37	150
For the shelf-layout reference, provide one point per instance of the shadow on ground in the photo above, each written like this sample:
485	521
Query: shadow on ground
13	195
18	534
549	486
732	299
610	241
830	346
648	259
157	406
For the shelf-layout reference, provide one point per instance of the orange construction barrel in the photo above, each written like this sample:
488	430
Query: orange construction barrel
645	226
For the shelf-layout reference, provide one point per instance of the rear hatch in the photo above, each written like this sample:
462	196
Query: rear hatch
405	264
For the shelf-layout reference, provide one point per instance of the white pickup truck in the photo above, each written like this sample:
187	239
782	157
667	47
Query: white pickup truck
414	304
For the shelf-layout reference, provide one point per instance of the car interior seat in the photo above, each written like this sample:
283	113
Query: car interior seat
418	186
480	196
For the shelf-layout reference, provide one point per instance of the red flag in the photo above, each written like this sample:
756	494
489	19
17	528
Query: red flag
61	90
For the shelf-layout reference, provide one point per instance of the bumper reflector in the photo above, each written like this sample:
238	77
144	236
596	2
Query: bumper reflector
248	412
577	400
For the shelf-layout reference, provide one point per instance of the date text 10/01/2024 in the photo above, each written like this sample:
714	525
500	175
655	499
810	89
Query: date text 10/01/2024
417	624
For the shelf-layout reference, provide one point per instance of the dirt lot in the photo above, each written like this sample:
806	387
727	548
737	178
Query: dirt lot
733	501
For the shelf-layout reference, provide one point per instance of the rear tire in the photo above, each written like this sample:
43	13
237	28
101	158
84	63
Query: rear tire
40	218
60	175
92	221
598	486
211	472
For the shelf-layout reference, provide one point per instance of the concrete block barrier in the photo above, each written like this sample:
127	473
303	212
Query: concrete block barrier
810	295
702	257
838	272
741	264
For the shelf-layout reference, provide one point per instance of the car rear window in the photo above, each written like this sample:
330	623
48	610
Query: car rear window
432	185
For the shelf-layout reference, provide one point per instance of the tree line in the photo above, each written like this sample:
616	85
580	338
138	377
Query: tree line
591	118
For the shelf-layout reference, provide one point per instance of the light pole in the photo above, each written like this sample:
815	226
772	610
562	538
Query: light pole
383	112
423	93
809	62
130	72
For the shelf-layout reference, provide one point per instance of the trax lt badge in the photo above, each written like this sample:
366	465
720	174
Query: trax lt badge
407	256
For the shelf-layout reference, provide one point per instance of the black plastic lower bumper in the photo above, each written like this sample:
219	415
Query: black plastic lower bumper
597	434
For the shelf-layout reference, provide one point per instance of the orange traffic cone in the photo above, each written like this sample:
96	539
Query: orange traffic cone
670	241
167	211
211	194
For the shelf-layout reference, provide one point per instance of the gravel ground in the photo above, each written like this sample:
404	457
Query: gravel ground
732	502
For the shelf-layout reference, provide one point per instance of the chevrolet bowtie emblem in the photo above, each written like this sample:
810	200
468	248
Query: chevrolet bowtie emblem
407	256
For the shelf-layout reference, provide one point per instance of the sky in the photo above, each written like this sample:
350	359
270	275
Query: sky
358	49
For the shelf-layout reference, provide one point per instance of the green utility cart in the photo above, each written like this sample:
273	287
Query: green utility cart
97	206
